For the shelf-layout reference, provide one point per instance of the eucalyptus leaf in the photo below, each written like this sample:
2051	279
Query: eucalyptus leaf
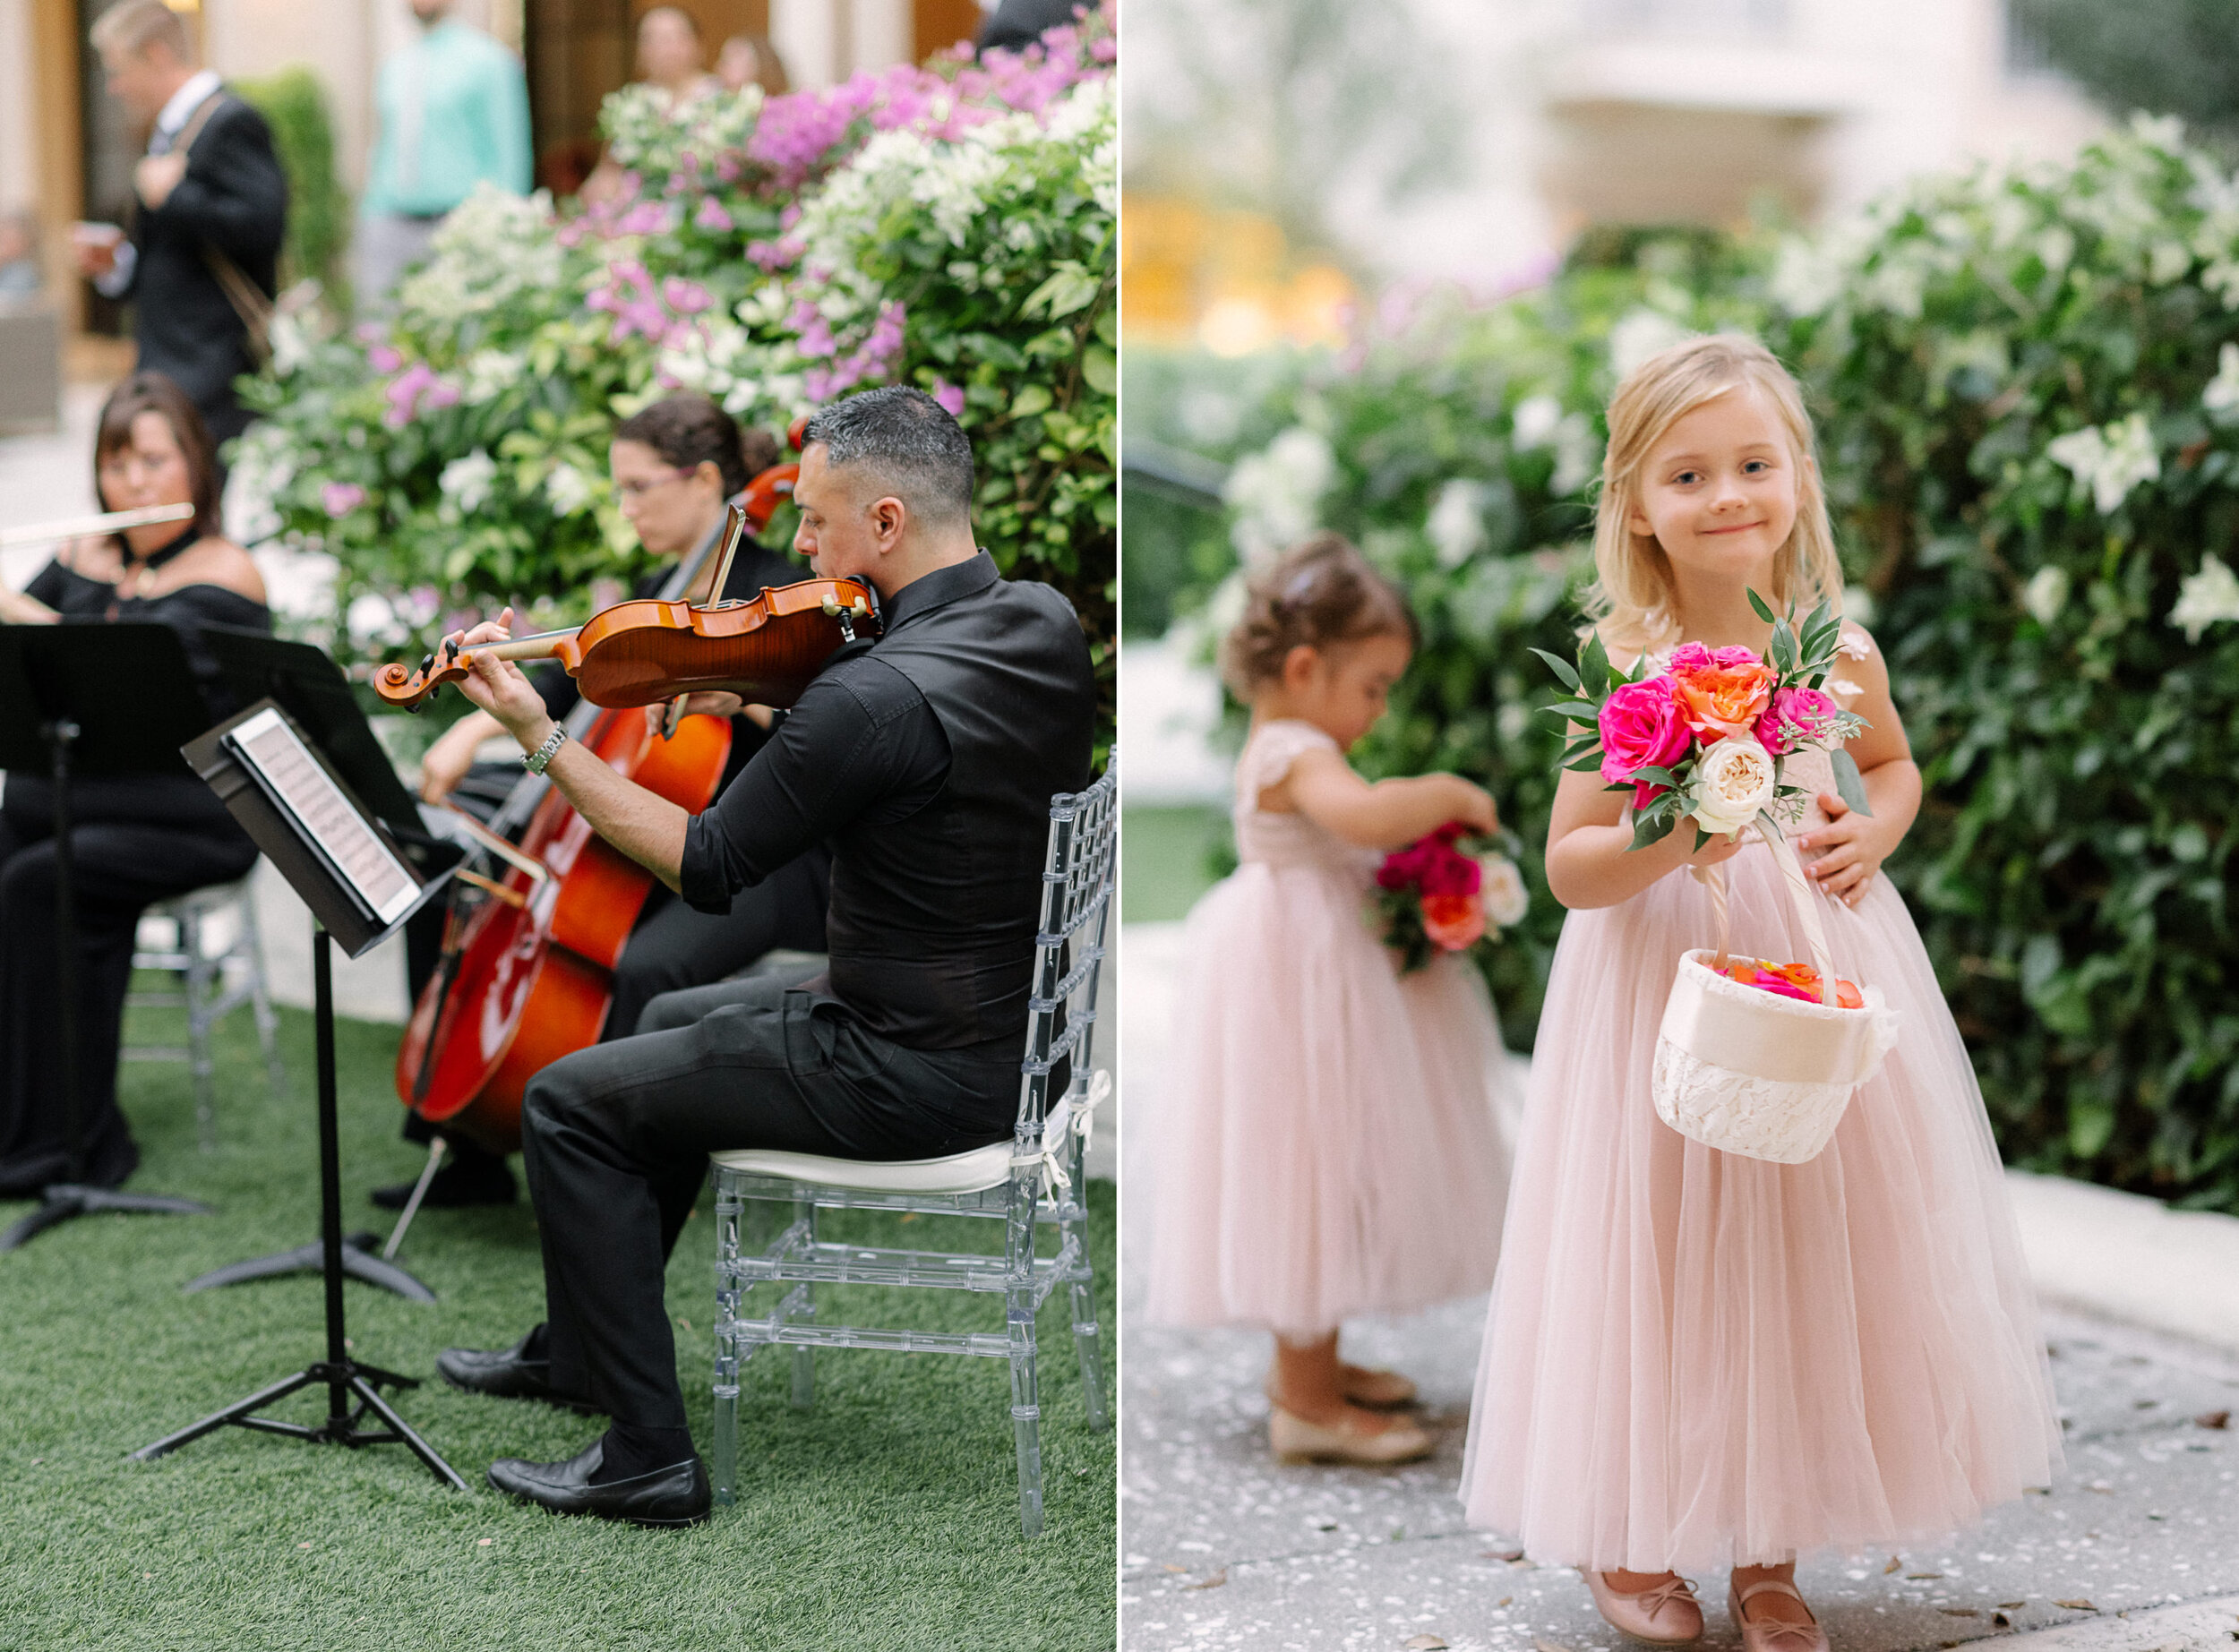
1562	669
1764	612
1850	784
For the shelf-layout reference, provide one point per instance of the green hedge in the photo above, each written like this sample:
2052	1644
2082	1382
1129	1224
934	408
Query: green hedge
2068	672
294	105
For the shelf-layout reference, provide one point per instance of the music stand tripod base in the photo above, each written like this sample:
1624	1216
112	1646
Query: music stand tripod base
61	1201
357	1382
357	1262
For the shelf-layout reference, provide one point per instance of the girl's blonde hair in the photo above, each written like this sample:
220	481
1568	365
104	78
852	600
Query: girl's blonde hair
1634	597
1321	594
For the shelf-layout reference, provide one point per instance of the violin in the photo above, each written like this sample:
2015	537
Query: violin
765	650
531	942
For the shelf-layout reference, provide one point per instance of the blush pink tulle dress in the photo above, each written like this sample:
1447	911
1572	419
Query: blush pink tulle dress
1696	1359
1329	1145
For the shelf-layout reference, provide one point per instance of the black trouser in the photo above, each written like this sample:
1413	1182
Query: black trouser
133	840
615	1141
674	947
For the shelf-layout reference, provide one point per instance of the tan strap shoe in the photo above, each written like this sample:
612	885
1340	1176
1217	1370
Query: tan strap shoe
1766	1634
1294	1440
1379	1390
1665	1613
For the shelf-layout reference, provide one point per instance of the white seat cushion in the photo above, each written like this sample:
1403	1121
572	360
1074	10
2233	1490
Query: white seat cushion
958	1173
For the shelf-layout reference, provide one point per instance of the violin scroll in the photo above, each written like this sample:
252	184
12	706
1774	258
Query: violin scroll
409	690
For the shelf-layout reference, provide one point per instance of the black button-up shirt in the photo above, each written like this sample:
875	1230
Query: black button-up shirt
860	746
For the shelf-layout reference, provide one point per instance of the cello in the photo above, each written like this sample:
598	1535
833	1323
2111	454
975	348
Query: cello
527	970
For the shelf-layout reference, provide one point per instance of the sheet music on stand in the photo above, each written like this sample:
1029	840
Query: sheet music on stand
318	833
384	886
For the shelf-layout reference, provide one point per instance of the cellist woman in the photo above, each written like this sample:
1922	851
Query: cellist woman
675	465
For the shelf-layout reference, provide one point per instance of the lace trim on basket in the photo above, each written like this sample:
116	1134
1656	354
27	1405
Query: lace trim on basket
1778	1119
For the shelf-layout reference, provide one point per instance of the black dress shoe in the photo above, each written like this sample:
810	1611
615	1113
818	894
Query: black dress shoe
676	1495
506	1373
481	1179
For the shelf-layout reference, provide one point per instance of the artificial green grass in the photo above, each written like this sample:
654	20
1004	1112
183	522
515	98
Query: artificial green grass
886	1517
1167	860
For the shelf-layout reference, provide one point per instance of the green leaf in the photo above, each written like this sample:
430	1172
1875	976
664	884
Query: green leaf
1649	828
1101	369
1562	669
1850	784
1030	399
1764	612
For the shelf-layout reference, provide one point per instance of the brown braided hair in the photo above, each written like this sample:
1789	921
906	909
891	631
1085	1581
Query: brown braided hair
1321	594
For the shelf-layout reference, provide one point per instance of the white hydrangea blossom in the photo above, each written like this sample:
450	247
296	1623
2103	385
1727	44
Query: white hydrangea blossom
2111	459
492	248
1456	527
2208	597
1534	423
1276	494
263	463
465	481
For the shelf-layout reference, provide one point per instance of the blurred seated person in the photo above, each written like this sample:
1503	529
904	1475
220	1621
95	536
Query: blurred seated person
751	60
675	466
135	839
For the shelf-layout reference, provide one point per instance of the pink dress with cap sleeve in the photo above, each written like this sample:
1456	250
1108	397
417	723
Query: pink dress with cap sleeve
1328	1146
1696	1359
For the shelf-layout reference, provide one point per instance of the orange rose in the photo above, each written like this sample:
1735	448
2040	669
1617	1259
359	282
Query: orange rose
1452	922
1719	700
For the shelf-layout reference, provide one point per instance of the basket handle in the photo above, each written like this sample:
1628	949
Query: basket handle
1785	857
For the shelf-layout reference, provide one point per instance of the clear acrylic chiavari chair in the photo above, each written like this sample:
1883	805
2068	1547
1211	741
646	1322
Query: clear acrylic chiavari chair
1032	1181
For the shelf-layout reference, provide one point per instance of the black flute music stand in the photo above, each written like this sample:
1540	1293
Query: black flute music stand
317	853
101	701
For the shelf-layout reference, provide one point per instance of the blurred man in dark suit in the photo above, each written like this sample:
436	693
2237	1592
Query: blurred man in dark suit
202	261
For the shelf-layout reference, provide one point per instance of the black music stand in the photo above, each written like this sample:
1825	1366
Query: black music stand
105	699
317	861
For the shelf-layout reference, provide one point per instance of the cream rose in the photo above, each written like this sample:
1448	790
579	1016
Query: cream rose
1732	782
1501	887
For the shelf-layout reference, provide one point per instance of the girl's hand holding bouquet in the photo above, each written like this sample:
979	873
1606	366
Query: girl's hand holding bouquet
1447	892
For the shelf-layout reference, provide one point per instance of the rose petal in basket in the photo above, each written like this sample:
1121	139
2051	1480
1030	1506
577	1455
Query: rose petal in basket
1751	1071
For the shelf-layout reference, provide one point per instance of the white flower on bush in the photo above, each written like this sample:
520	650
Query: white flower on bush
263	463
2221	397
1277	493
1534	423
2045	594
489	374
1638	335
1501	887
2111	459
2208	597
1732	783
465	481
1456	527
1540	422
568	490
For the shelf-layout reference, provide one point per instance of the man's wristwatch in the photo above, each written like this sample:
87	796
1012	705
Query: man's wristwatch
535	761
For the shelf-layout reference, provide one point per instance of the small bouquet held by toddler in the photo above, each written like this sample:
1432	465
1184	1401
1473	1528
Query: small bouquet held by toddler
1706	739
1447	893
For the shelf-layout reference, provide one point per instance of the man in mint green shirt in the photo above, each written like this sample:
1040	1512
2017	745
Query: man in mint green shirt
453	109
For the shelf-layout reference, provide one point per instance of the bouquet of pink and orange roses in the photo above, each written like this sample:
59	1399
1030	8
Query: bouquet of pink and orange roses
1706	737
1447	893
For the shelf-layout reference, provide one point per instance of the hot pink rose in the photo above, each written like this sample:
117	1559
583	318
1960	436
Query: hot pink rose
1642	727
1729	658
1689	658
1794	718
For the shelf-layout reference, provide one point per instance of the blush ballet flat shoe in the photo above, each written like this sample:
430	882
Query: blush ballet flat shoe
1379	1391
1663	1615
1294	1440
1774	1634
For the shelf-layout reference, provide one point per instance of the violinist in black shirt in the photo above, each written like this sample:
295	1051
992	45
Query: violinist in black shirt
137	838
927	761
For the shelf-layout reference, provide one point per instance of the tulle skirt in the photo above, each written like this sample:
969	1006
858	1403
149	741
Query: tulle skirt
1328	1146
1695	1359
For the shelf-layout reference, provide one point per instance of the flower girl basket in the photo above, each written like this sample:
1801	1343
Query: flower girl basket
1756	1073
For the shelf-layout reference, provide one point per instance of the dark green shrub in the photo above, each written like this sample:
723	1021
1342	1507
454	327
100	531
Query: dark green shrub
294	104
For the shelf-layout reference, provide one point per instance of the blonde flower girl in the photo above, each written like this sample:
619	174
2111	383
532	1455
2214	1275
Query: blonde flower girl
1330	1148
1695	1358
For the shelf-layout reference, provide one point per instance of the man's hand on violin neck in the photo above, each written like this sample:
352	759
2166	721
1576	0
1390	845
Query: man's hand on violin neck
499	686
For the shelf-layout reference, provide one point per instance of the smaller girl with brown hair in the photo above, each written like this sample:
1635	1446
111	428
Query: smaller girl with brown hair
1333	1149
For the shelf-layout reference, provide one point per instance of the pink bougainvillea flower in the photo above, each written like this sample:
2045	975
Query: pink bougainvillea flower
342	497
383	358
711	216
950	397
